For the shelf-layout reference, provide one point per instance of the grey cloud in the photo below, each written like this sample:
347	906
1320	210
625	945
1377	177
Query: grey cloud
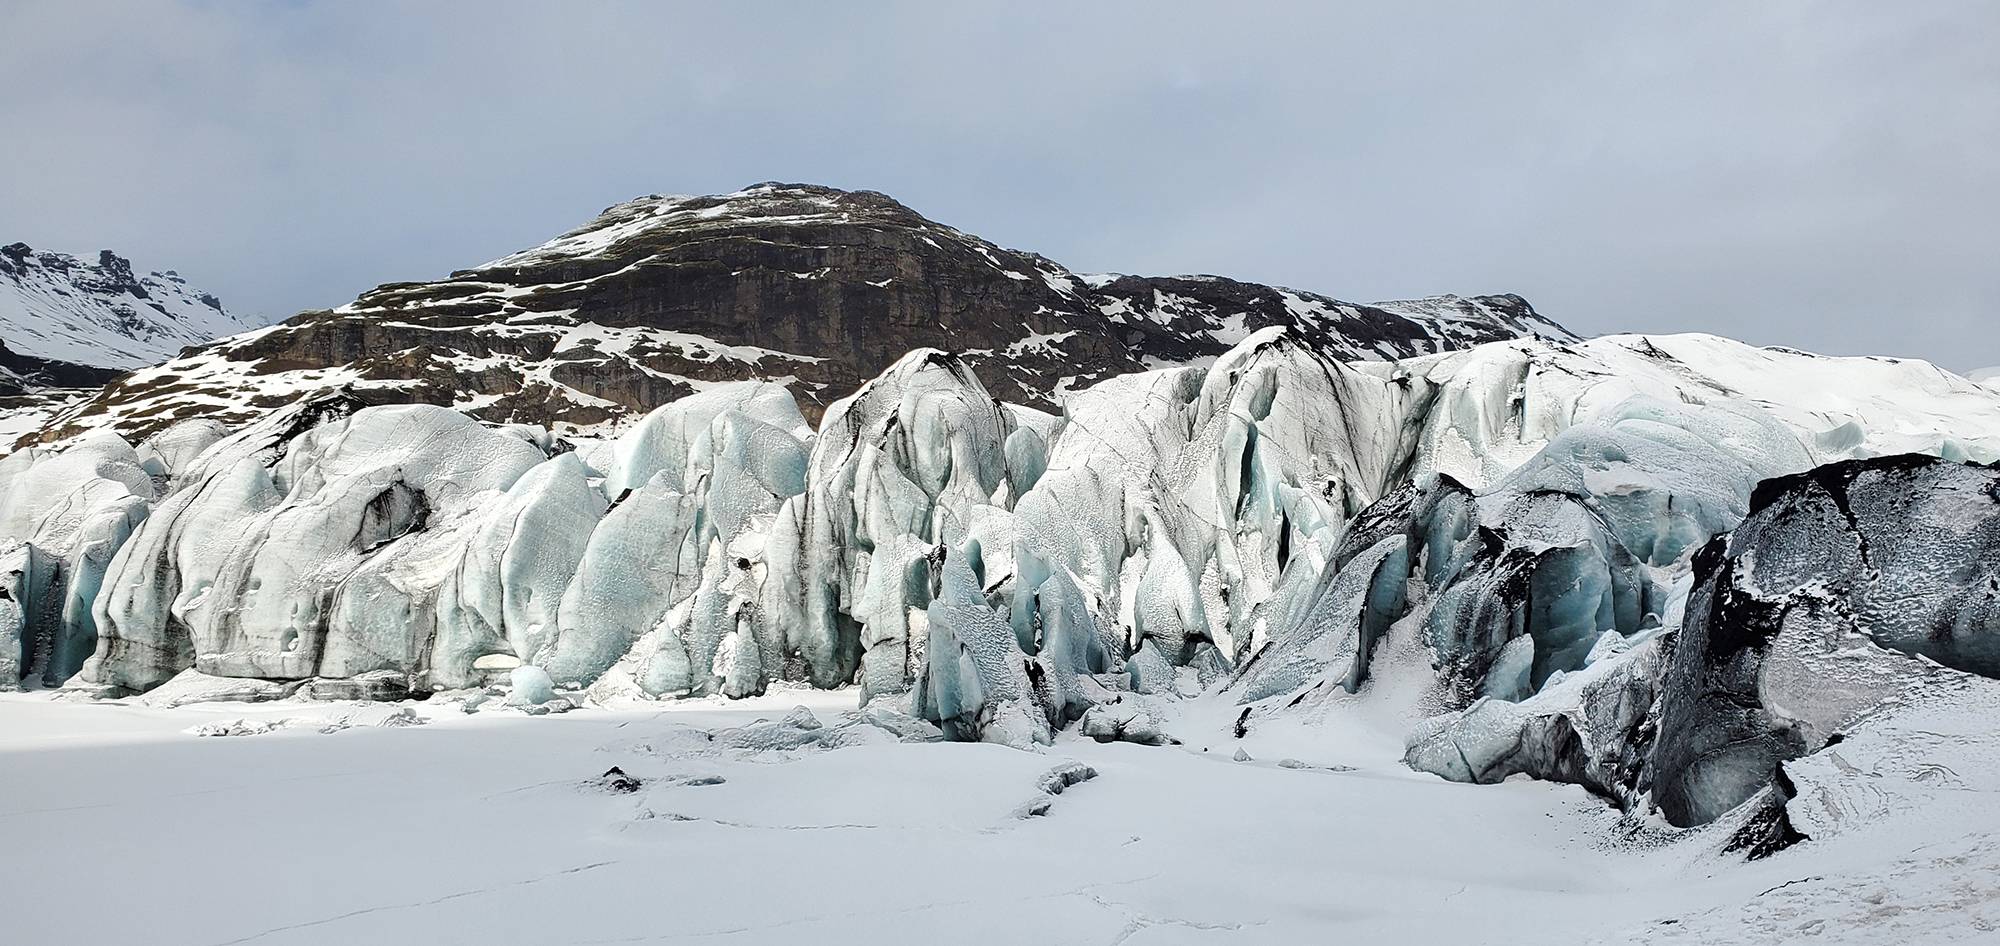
1817	175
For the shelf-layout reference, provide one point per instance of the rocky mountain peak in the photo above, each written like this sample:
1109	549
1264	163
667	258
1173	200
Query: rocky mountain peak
818	287
70	320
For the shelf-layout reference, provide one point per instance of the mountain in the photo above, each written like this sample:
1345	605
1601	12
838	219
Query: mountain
660	297
1987	376
70	323
67	327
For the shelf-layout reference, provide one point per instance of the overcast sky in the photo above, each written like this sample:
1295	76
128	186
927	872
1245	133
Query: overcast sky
1816	175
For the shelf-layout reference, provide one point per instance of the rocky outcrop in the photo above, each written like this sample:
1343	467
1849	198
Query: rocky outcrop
1808	616
1850	593
21	375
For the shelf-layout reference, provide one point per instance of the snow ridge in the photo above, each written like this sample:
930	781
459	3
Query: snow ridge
55	307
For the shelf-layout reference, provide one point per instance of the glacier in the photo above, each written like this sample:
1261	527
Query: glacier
1622	563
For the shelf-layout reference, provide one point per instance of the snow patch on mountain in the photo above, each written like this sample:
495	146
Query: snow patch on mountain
26	413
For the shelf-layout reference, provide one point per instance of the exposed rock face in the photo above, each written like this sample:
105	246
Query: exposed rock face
22	374
662	296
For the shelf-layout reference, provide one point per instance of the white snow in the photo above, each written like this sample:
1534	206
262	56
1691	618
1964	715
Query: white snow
342	823
1039	343
1233	331
57	307
1059	281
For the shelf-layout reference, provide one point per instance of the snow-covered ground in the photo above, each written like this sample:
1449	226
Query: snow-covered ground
123	824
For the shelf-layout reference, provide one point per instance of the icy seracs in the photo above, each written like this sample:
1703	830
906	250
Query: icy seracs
63	517
1849	593
1533	541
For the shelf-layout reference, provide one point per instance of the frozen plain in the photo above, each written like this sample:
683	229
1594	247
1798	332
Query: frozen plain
496	828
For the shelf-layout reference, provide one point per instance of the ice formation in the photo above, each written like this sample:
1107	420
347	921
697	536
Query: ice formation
1847	593
63	517
1546	527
